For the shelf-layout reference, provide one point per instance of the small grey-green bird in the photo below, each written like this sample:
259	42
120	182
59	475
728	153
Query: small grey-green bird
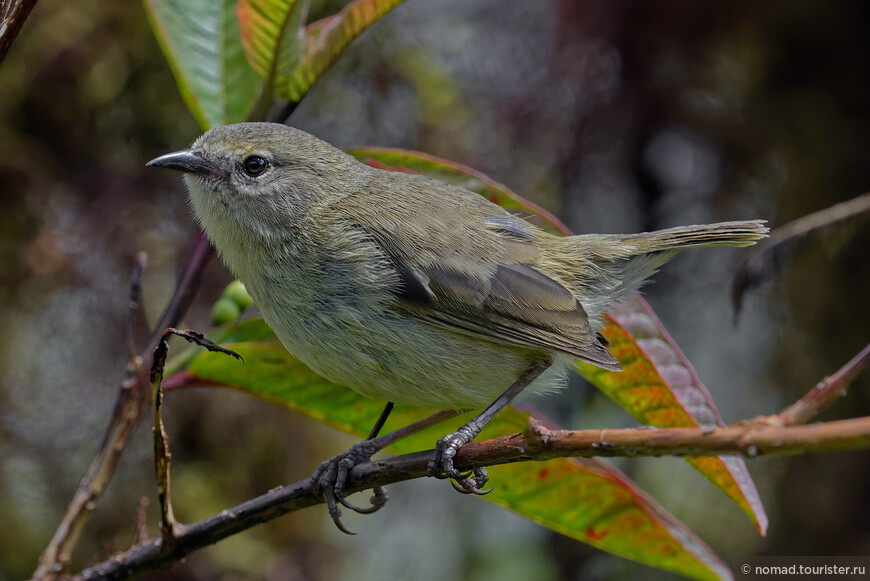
407	289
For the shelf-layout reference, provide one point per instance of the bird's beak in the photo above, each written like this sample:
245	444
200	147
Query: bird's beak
189	161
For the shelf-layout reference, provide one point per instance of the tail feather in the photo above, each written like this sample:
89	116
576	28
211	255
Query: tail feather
614	271
741	233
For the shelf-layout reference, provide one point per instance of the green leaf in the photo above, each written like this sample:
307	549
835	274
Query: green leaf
583	499
325	40
201	42
659	386
273	33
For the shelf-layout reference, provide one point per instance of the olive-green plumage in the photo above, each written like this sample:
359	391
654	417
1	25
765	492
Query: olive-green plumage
405	288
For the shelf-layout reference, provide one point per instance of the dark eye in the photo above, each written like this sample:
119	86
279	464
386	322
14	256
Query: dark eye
254	165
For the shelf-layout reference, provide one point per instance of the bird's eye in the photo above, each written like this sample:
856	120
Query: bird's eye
254	165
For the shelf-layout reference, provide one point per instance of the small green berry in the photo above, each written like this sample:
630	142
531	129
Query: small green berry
225	310
239	295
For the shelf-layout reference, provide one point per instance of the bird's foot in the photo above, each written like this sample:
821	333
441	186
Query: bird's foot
441	464
330	479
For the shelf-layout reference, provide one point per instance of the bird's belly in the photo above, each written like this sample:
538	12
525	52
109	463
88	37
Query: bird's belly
389	357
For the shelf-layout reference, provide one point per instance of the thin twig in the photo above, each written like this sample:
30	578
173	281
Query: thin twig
747	440
161	447
826	391
135	301
382	419
759	261
12	19
133	396
200	255
169	527
127	410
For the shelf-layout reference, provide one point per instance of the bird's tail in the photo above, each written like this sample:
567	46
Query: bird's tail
614	271
742	233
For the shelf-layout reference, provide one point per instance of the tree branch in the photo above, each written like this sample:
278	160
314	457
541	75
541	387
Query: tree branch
751	439
12	18
826	391
767	435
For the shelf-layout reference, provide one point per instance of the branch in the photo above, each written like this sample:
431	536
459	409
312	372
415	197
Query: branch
749	440
133	396
770	436
760	261
12	18
168	524
826	391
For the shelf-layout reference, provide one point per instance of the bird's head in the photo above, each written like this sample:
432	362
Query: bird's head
262	176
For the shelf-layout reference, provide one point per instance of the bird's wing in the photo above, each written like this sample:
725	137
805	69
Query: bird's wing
506	302
477	275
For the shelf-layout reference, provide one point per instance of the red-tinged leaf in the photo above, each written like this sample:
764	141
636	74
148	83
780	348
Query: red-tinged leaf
272	32
583	499
325	40
660	388
200	39
659	385
606	511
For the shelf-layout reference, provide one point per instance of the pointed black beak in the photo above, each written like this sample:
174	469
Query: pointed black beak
189	161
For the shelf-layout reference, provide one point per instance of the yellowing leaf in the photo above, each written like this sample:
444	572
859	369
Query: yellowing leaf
660	388
272	34
325	40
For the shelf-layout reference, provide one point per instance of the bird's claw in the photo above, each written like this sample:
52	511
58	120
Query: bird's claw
379	498
330	480
441	464
474	484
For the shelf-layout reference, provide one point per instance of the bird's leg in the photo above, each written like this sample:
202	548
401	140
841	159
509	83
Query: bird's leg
330	477
441	463
380	497
382	419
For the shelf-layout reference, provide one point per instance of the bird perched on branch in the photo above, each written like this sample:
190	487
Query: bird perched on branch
407	289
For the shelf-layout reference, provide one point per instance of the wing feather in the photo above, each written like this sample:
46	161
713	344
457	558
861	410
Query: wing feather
478	275
505	302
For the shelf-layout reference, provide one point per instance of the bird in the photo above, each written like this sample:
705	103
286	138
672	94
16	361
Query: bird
408	289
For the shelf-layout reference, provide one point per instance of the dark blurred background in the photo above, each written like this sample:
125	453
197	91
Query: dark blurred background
618	116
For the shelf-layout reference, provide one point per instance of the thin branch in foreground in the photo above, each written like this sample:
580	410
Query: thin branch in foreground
749	440
161	446
12	19
132	397
168	524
